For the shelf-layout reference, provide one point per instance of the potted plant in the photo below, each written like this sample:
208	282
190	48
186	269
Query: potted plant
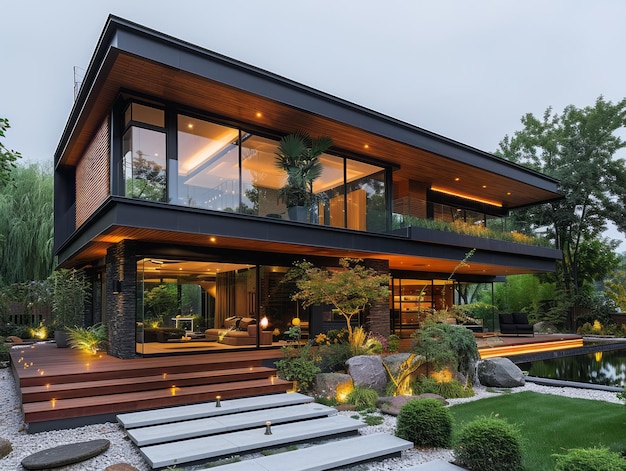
298	155
70	292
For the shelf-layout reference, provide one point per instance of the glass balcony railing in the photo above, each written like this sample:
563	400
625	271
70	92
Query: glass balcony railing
460	221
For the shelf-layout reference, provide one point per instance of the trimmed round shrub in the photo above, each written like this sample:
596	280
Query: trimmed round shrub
590	459
425	422
489	444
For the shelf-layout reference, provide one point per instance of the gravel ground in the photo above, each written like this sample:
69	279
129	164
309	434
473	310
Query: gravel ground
123	451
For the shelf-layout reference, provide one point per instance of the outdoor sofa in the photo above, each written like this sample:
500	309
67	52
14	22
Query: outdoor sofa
515	324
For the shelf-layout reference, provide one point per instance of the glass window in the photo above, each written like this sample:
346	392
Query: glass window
329	190
144	114
261	179
208	165
144	164
366	198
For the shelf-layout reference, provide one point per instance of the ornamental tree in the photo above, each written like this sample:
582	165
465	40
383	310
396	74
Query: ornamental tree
349	289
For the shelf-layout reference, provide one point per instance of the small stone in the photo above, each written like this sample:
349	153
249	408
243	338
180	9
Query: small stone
5	447
120	467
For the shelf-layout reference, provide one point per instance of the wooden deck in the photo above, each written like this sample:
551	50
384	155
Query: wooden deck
62	387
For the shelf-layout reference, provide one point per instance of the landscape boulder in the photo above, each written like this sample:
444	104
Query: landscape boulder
121	467
544	327
500	373
368	371
326	384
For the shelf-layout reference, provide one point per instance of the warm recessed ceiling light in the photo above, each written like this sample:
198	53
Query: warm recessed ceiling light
508	193
259	114
457	179
484	186
190	126
212	239
366	146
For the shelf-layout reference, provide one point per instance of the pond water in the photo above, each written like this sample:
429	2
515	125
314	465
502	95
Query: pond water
607	368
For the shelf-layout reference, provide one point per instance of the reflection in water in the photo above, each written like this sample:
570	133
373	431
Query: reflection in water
607	368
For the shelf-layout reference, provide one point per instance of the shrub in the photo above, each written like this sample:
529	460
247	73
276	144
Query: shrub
622	395
450	389
489	444
298	366
363	398
90	339
332	358
590	459
425	422
393	343
4	350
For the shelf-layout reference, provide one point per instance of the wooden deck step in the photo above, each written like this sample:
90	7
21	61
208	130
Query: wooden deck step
186	451
141	383
57	409
208	409
155	434
133	369
330	455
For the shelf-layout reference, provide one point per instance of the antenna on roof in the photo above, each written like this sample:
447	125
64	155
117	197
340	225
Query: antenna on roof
79	75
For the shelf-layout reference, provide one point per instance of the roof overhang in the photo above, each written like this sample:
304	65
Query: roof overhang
134	58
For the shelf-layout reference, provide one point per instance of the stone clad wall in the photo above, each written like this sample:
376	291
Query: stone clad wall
121	308
377	319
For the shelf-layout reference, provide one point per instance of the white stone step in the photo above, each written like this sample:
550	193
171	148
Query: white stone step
176	453
208	409
436	465
226	423
329	455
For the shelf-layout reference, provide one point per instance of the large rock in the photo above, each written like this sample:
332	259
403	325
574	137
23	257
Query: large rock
326	384
368	371
500	373
544	327
5	447
64	455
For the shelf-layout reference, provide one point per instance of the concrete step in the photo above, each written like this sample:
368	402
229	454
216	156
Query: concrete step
436	465
154	434
329	455
209	409
186	451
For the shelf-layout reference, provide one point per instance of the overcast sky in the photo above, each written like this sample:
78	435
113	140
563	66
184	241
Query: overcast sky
467	70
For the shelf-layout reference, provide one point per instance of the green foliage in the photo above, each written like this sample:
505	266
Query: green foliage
161	301
90	339
577	147
489	444
7	157
349	289
446	345
275	451
298	365
26	225
4	350
363	398
327	401
298	155
622	395
71	291
449	389
373	420
332	358
590	459
393	343
615	288
425	422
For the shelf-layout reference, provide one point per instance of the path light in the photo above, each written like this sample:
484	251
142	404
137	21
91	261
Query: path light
268	428
218	402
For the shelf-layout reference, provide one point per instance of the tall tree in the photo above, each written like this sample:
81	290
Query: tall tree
578	147
7	157
26	225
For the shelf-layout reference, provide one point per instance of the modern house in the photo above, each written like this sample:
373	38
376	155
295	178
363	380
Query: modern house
167	194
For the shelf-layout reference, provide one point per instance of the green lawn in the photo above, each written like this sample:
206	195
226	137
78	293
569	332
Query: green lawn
551	424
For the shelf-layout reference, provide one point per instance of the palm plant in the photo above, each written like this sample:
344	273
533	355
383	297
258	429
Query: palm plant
298	155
